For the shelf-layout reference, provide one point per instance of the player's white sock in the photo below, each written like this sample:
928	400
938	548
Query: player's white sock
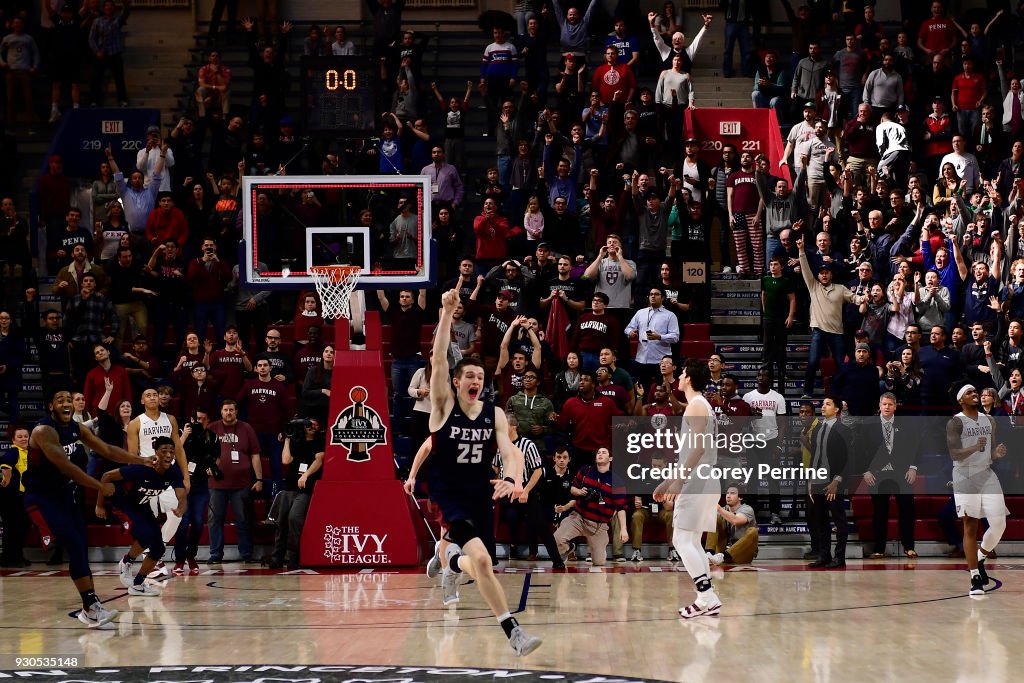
975	572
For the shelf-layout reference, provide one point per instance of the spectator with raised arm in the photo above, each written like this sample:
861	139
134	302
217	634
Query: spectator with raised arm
573	28
137	199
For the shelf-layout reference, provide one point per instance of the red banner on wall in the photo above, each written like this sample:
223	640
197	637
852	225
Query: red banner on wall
748	130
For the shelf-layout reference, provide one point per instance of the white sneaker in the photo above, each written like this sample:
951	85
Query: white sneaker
449	587
54	115
158	571
97	615
125	573
621	559
727	269
673	555
434	565
707	604
145	590
637	557
523	643
717	558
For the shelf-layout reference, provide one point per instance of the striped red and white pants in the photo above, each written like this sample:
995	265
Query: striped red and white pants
747	230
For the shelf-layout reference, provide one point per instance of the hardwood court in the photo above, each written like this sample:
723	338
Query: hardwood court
874	621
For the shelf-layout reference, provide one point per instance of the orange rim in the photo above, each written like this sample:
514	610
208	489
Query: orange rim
335	273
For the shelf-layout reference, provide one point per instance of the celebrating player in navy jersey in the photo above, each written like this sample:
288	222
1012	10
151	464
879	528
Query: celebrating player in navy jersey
466	431
49	488
136	486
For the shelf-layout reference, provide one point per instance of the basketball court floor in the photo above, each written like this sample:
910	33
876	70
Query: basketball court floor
874	621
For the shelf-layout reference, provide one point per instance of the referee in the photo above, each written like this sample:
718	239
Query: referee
529	504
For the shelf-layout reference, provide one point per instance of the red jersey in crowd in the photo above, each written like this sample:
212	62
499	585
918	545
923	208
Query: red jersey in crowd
238	443
591	421
263	403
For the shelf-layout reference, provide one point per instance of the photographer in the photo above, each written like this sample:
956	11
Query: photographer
599	496
304	455
202	452
903	378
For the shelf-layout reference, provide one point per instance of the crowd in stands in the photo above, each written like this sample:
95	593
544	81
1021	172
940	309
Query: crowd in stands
890	228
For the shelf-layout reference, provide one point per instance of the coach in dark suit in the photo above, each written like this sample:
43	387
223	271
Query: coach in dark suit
891	448
831	451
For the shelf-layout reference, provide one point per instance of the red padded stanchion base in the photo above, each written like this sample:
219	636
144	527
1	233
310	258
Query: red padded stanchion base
363	524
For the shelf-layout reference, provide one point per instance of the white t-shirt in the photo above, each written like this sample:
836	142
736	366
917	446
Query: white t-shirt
691	170
771	405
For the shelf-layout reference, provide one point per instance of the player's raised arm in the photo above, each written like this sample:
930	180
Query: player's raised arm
45	439
440	381
511	459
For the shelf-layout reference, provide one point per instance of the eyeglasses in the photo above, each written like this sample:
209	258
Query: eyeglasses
531	377
654	294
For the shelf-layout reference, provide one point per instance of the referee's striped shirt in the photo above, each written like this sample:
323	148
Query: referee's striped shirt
531	458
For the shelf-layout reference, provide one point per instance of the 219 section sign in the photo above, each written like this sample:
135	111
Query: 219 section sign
340	95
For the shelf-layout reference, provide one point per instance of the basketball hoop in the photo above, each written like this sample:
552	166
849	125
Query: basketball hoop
334	284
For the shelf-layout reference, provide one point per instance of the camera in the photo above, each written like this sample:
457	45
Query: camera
203	448
295	427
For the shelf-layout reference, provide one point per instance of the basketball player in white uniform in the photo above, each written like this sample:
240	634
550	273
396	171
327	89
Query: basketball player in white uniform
142	431
696	506
976	489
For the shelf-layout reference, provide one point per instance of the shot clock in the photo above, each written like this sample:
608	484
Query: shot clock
340	95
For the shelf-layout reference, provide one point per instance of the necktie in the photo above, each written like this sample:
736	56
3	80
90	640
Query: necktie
1015	115
887	427
820	457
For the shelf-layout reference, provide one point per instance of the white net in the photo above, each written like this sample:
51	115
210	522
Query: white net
335	284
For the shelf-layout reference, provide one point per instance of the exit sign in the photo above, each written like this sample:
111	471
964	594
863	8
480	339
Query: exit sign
729	128
117	127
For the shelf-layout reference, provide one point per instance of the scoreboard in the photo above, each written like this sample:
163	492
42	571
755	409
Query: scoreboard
340	95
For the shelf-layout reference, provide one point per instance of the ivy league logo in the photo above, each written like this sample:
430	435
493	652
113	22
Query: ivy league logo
358	428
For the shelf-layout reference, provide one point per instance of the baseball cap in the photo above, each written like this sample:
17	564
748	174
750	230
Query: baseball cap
862	347
544	245
903	107
153	129
809	105
692	141
825	266
506	294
